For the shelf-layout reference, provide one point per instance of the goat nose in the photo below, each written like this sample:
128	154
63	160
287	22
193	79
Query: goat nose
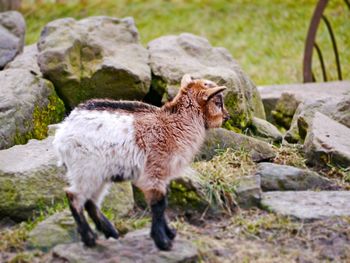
227	117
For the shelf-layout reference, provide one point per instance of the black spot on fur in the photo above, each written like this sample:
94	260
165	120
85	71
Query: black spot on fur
105	104
117	178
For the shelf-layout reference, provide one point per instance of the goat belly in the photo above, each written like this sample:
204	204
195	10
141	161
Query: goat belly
99	144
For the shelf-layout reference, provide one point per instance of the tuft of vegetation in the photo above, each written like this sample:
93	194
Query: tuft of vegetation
218	177
290	154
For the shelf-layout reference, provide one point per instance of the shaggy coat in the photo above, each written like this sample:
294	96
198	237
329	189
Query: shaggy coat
104	141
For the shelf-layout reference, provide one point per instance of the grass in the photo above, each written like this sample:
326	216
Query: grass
258	236
218	177
265	36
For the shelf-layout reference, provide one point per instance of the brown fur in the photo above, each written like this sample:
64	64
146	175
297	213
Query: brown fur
172	135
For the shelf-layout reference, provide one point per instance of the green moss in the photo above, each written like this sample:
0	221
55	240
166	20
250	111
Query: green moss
184	197
37	127
158	92
240	118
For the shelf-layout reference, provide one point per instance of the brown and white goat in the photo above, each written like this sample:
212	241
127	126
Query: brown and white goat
104	141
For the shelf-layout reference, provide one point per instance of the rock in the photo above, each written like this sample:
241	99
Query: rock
303	91
266	130
173	56
28	104
29	179
275	177
248	191
337	108
218	139
184	194
308	205
120	200
27	60
12	32
327	141
285	109
59	228
134	247
94	57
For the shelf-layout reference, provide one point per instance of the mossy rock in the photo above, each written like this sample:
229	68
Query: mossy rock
31	103
183	195
84	60
29	179
173	56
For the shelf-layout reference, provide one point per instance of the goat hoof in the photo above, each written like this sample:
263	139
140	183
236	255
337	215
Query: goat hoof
89	239
164	244
162	241
170	232
112	233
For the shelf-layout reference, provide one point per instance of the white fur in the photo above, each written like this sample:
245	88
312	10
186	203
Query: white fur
96	145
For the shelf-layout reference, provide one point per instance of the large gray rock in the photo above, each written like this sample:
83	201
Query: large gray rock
57	229
263	129
28	104
219	139
327	141
248	191
173	56
300	92
12	32
134	247
30	179
275	177
94	57
27	60
308	204
337	108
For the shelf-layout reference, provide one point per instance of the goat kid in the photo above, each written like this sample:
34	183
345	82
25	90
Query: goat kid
104	141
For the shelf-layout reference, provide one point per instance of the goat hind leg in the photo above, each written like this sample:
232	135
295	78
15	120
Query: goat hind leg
86	233
101	222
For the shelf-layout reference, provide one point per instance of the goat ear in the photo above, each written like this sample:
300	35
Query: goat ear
186	80
209	93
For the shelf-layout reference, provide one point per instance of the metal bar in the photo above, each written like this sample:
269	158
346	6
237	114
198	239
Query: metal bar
334	43
347	3
320	57
310	40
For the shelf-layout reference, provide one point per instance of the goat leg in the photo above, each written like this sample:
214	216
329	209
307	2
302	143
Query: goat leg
101	222
86	233
159	229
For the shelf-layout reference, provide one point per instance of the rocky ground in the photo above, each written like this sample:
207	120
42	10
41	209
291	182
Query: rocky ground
271	186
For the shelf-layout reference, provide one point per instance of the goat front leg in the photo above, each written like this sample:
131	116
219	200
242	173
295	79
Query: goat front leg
86	233
161	233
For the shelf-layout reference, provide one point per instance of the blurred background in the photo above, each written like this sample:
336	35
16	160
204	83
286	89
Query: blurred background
266	37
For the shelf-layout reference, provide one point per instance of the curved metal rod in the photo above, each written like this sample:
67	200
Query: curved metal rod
347	3
323	67
334	43
310	40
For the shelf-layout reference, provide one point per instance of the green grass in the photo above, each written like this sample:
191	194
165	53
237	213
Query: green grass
265	36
